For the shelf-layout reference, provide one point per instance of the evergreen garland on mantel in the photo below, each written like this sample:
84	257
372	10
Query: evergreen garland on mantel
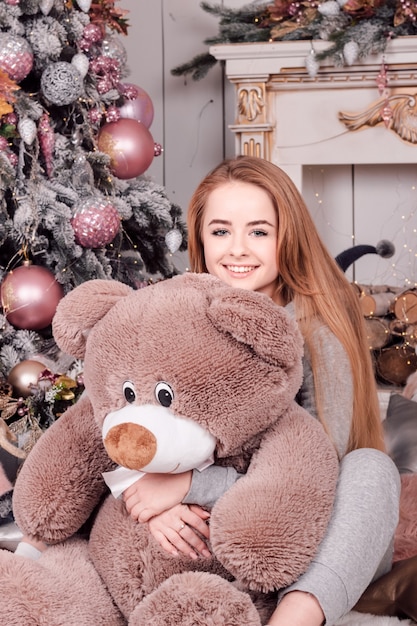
355	29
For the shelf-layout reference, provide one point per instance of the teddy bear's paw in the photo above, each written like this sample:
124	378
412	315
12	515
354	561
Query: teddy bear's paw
196	599
61	588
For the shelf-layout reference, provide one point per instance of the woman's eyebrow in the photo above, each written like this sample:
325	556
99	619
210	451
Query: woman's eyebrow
227	223
259	223
219	221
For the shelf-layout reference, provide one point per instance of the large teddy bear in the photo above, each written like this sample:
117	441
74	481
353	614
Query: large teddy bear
180	374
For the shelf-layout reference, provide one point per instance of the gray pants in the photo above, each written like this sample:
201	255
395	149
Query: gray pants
358	544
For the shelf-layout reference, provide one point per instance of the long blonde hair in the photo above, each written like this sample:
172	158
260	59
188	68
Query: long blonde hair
308	276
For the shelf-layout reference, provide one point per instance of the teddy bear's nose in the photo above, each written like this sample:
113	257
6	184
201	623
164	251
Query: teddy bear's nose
130	445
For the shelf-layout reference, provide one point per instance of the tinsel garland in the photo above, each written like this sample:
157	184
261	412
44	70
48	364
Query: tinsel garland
367	24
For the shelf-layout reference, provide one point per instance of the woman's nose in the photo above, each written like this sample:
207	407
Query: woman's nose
238	246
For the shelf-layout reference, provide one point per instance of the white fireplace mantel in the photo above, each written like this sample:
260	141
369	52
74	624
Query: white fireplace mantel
293	119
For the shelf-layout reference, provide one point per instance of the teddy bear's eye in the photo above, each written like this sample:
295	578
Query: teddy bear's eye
129	391
164	394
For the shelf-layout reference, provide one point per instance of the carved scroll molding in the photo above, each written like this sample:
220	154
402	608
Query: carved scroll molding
250	102
403	121
252	129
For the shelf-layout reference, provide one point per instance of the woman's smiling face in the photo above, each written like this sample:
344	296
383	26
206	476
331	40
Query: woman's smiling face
239	234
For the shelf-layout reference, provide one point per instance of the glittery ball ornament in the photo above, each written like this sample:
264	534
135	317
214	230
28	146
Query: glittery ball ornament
61	83
112	47
16	56
95	223
173	240
29	296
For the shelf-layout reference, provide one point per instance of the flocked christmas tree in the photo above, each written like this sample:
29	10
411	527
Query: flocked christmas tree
76	203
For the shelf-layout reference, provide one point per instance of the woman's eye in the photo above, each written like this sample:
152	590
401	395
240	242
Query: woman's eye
164	394
220	232
259	233
129	391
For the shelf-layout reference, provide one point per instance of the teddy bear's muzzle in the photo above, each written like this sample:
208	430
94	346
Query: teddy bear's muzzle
130	445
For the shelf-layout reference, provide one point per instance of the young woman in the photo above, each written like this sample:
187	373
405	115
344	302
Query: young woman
249	226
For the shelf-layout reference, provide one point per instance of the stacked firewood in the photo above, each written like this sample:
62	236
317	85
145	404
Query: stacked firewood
391	322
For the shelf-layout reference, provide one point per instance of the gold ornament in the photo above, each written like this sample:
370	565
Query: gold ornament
24	376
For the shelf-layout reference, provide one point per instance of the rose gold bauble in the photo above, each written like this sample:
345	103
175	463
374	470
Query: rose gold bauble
29	297
139	108
16	56
130	146
23	375
96	222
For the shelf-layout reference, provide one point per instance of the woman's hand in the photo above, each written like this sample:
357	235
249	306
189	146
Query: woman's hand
155	493
178	530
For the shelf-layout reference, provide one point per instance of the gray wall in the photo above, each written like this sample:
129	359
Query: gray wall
189	119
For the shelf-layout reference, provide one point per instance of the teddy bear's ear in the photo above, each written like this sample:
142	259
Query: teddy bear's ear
255	320
81	309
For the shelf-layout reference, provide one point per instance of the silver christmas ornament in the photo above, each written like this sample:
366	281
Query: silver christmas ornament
112	46
84	5
27	130
45	6
312	65
173	240
350	52
61	83
329	9
81	62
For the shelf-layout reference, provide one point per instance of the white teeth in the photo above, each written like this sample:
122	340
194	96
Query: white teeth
240	269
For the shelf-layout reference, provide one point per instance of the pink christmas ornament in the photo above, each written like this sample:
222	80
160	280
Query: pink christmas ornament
95	115
130	146
138	105
92	32
16	56
96	223
11	118
13	159
107	71
112	114
29	297
46	142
